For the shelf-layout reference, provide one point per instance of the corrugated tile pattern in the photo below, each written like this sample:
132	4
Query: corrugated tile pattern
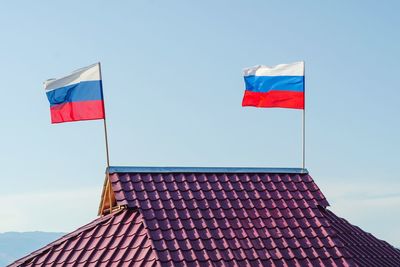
119	239
233	219
366	250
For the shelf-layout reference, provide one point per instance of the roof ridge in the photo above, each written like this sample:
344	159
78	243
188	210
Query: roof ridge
177	169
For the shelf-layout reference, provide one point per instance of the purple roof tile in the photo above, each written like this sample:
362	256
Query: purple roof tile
221	217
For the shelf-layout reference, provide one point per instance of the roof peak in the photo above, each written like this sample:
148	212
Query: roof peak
143	169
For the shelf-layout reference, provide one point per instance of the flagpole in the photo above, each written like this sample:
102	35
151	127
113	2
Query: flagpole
105	121
304	119
106	141
304	138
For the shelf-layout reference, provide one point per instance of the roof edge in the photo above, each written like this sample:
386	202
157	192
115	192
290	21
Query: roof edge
140	169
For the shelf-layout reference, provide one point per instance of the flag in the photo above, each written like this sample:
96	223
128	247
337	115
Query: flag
76	97
280	86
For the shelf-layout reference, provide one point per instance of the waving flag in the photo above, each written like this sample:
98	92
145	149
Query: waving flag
76	97
281	86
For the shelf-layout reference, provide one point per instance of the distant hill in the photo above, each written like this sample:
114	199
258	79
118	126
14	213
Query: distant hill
14	245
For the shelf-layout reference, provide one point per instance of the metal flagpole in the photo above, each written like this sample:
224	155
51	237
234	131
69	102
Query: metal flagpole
104	120
304	137
304	117
106	140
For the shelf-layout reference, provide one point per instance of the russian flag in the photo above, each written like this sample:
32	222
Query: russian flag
280	86
76	97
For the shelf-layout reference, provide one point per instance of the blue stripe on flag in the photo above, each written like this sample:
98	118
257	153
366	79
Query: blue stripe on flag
83	91
264	84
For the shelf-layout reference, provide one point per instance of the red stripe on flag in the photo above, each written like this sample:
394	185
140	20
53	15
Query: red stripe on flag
77	111
274	99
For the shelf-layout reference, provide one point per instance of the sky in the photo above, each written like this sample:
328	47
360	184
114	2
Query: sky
173	85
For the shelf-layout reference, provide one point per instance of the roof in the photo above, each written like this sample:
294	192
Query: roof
118	238
229	216
365	249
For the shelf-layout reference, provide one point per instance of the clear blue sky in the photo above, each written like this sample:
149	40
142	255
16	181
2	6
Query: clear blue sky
173	85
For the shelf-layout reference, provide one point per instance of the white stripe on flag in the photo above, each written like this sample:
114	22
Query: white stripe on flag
89	73
292	69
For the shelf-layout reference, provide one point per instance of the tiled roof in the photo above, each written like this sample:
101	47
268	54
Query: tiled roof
219	217
231	218
365	249
119	239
